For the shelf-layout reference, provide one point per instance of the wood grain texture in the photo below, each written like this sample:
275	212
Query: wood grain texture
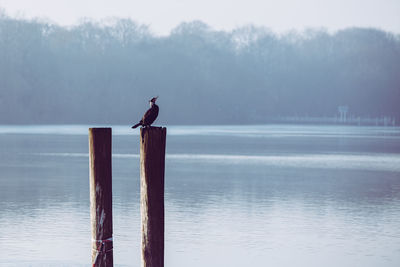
152	165
101	196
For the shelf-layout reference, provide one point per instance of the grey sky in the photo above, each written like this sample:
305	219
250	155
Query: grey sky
163	15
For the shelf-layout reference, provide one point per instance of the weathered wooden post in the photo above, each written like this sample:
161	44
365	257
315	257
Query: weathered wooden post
152	163
101	196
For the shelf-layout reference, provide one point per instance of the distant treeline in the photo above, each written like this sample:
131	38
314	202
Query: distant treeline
105	72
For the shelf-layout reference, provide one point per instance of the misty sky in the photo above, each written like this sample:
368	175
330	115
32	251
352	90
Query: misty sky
163	15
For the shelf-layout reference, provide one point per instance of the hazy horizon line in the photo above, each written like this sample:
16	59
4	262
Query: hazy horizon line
112	20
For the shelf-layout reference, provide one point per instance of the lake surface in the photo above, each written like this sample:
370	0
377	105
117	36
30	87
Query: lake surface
270	195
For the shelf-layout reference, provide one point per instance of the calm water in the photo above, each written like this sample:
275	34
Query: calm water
235	196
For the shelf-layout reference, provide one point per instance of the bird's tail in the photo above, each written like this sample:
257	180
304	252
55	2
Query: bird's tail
136	125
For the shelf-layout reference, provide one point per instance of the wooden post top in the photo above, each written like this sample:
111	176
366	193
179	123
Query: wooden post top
153	128
100	129
161	131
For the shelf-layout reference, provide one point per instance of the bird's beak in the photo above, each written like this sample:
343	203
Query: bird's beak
155	98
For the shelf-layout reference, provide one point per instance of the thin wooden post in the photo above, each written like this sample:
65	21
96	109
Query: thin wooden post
152	164
101	196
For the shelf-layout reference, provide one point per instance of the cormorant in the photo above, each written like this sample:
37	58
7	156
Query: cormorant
150	116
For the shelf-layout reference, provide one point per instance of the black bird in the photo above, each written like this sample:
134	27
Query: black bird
150	116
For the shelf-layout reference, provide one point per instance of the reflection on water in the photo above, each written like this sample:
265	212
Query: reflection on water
379	162
235	196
